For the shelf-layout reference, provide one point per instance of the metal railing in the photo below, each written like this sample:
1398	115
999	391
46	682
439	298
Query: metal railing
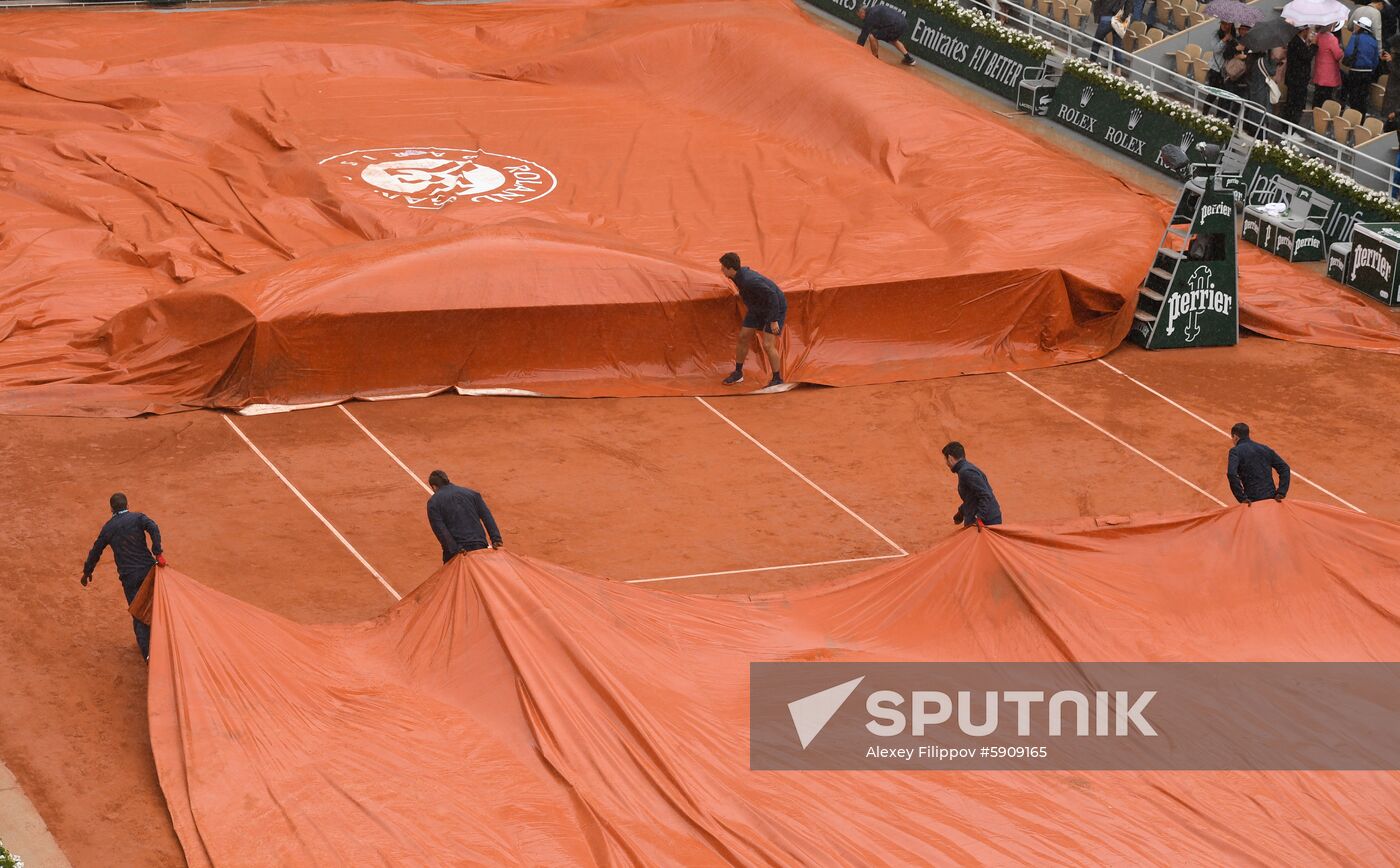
1242	115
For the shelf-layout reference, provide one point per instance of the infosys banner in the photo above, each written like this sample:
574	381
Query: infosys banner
945	41
1261	180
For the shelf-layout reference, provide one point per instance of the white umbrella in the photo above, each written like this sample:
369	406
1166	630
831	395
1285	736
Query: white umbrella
1303	13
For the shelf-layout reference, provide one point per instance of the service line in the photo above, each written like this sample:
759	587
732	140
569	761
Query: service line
1120	441
901	552
309	505
800	475
1220	430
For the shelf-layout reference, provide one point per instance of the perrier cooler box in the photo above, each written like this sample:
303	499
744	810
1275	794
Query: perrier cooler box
1375	253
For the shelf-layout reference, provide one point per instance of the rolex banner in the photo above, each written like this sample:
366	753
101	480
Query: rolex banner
961	40
1096	111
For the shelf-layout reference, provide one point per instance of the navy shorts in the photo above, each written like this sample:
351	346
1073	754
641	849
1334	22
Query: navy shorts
889	34
759	320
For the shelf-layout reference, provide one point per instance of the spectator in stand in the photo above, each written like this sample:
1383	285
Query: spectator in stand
1297	73
1104	11
1327	70
1261	68
1225	48
1390	104
1151	18
1359	63
1390	18
1237	65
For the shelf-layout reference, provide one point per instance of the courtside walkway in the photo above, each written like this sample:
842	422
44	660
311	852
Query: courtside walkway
23	830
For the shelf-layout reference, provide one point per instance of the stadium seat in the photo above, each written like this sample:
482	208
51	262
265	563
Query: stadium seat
1179	18
1201	70
1164	12
1193	50
1377	96
1321	121
1375	125
1182	62
1360	136
1341	130
1075	17
1195	18
1332	107
1087	7
1352	116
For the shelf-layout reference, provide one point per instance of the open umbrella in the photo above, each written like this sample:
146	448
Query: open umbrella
1273	33
1236	12
1315	12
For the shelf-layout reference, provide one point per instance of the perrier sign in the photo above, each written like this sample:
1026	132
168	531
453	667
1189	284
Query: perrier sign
1199	302
1188	298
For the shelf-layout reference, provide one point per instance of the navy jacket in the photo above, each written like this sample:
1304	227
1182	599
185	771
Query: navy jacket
126	533
882	20
456	515
1251	471
976	493
760	294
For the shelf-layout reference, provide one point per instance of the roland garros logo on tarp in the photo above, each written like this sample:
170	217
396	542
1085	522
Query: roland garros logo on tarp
432	178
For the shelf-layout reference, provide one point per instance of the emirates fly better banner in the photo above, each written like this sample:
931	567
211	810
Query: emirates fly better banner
990	63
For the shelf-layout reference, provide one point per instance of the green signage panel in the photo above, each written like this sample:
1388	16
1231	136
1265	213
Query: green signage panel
1189	298
1096	111
949	40
1372	269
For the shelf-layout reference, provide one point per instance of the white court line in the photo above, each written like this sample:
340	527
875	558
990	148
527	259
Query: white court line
764	569
314	511
823	492
1223	432
902	553
1120	441
387	451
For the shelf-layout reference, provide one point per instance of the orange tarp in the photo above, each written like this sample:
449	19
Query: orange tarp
300	203
513	711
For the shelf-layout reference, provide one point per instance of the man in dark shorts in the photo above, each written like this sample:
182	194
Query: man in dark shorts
126	533
459	518
1251	467
767	312
886	24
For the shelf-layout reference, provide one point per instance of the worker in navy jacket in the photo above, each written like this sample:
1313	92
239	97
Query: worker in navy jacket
765	314
459	518
126	533
978	502
1251	469
886	24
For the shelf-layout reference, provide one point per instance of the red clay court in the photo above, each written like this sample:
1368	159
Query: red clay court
143	289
